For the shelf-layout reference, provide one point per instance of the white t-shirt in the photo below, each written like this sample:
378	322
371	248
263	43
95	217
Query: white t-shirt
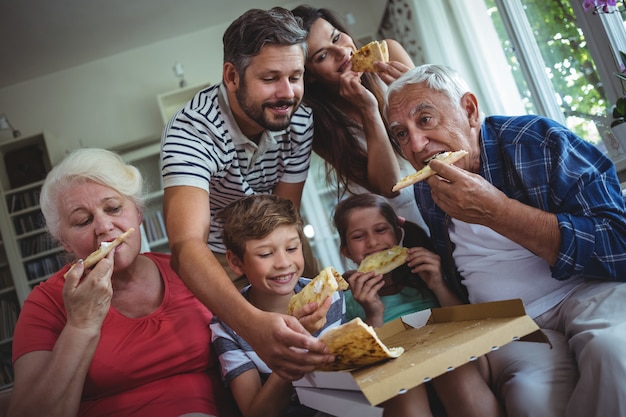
496	268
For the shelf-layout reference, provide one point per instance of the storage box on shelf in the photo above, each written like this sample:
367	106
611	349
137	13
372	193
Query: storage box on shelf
171	101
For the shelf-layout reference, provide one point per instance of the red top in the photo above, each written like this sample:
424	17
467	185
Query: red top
157	365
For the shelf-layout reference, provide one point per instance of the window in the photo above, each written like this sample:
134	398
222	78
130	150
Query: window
558	72
524	56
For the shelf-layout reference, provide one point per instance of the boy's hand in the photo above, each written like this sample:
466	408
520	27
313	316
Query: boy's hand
313	317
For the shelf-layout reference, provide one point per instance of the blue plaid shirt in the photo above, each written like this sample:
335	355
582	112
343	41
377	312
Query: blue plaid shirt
541	163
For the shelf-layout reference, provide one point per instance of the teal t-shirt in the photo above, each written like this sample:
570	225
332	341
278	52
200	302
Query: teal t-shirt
408	300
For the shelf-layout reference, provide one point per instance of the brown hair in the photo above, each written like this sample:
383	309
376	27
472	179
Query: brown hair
255	217
414	235
334	140
249	33
366	200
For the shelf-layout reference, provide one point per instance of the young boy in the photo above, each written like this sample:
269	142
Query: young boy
263	238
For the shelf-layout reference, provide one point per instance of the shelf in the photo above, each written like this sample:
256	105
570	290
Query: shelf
172	101
26	162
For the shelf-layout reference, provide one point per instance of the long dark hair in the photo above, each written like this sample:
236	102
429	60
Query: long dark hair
334	140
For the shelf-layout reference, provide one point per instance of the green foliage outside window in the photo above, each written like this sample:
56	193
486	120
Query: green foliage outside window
569	65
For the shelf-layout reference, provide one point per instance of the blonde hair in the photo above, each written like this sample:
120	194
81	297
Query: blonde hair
88	164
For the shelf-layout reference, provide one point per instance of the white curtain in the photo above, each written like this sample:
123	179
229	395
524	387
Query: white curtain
457	33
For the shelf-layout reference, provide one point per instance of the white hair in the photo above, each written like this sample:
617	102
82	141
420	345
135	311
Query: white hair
436	77
87	164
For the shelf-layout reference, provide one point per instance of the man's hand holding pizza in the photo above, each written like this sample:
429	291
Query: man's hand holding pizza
470	198
464	195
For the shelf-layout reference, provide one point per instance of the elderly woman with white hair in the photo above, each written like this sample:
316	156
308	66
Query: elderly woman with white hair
124	338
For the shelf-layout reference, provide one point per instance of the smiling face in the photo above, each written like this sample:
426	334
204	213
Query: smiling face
274	263
270	90
93	213
426	122
368	232
329	52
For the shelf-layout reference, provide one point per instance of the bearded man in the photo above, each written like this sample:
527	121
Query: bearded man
248	134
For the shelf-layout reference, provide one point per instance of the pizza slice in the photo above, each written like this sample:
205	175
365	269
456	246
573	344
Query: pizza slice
104	249
363	59
356	344
445	157
321	287
384	261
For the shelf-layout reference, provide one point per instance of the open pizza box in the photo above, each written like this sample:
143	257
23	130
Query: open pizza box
434	341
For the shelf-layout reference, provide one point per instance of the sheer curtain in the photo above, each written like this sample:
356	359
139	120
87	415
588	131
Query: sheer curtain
460	34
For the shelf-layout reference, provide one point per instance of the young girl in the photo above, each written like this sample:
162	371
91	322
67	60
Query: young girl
368	224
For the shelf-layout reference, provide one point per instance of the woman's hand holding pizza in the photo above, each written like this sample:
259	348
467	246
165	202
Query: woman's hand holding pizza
87	294
365	287
390	71
353	91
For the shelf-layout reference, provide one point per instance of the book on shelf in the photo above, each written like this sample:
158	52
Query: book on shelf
33	245
5	277
155	226
8	317
28	222
44	267
23	200
6	369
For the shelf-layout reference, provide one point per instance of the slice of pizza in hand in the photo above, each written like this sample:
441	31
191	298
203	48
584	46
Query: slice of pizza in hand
384	261
426	172
321	287
104	249
363	59
355	344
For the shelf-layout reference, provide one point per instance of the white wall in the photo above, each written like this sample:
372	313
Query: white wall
112	101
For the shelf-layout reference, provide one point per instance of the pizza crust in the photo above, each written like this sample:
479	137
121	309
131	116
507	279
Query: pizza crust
104	249
426	172
363	59
384	261
321	287
355	344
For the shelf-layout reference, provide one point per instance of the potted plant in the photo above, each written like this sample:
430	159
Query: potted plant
619	112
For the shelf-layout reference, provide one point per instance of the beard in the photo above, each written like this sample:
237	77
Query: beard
256	111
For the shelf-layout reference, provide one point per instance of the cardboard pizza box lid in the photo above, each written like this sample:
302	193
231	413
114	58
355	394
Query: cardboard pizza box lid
434	341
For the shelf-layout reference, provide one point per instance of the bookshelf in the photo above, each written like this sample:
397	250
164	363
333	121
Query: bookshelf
27	255
145	155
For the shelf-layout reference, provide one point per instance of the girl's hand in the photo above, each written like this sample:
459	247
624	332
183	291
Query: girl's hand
428	265
365	287
313	317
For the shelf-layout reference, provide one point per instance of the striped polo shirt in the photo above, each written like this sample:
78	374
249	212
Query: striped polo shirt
203	147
